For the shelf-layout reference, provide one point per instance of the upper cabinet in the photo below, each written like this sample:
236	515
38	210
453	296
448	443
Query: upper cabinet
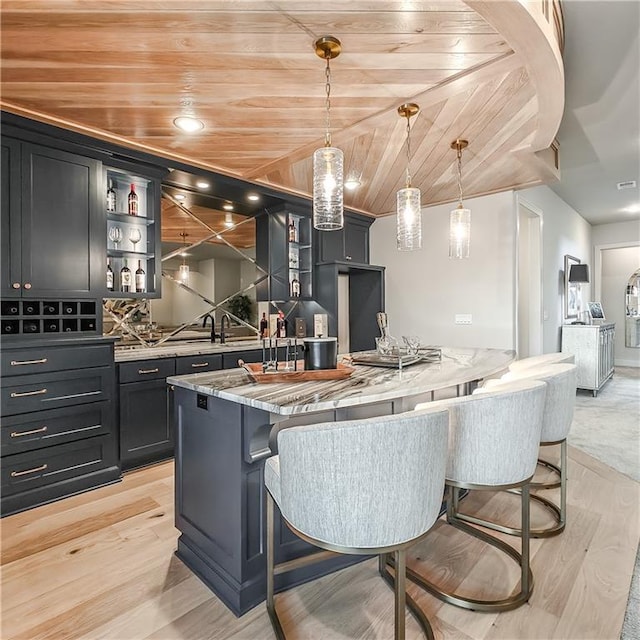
284	250
350	244
131	206
50	245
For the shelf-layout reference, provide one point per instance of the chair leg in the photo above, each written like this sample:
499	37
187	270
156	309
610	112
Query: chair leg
526	577
271	605
399	593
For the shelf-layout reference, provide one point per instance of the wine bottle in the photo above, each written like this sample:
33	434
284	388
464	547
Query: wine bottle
293	235
125	278
111	198
109	277
295	287
141	279
264	326
132	201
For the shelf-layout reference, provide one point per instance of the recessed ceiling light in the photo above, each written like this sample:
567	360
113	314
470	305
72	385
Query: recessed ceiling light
202	184
188	124
179	196
253	197
627	184
351	184
227	206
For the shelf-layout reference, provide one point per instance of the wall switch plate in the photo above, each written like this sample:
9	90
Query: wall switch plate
463	318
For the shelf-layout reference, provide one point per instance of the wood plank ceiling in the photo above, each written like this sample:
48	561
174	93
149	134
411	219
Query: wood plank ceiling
124	69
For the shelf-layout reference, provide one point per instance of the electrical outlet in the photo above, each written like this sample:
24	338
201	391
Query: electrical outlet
463	318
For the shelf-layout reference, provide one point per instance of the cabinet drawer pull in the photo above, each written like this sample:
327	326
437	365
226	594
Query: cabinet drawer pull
27	285
15	474
16	363
15	285
197	365
17	434
17	394
143	371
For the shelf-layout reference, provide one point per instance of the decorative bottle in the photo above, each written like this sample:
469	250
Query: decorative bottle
295	287
125	278
111	198
109	277
293	232
264	326
132	201
140	279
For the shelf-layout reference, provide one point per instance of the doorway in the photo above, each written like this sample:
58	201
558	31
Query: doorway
529	283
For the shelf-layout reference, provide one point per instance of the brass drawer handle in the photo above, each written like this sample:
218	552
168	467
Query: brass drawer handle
15	474
197	365
17	434
17	394
15	363
143	371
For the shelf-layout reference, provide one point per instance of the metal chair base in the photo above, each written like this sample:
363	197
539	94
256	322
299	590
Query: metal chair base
559	514
398	583
522	559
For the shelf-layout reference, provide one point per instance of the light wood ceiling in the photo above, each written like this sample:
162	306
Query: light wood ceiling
124	69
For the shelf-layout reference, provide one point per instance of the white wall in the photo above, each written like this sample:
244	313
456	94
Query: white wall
425	289
564	231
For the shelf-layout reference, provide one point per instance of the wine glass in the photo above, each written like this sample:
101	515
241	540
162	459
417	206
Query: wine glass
134	237
115	235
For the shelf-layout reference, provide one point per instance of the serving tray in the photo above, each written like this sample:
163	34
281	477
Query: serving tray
254	369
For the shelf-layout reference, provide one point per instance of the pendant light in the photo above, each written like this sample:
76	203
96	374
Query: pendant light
183	271
409	217
460	217
328	161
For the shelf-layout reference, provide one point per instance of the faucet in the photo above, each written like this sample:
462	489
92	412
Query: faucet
226	317
213	327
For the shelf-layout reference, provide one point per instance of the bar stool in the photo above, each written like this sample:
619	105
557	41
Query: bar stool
542	360
365	487
556	423
493	445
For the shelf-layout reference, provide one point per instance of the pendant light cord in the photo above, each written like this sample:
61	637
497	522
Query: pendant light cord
327	73
460	175
408	175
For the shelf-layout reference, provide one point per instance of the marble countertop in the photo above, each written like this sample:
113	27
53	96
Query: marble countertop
365	386
185	348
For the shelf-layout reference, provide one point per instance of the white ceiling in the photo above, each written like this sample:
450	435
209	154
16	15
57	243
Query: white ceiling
600	134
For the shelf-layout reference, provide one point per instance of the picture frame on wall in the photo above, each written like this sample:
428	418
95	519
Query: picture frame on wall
571	290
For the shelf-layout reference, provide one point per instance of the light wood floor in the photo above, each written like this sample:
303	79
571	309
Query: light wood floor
101	565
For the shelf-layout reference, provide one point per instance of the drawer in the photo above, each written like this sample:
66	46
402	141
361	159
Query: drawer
25	361
146	369
31	431
196	364
22	394
27	471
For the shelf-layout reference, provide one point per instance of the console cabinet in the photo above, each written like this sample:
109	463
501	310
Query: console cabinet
593	349
58	428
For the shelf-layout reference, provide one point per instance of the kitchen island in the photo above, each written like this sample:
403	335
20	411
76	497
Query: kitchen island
227	426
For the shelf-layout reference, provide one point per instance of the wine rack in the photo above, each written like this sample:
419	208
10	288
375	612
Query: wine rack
131	239
299	245
50	317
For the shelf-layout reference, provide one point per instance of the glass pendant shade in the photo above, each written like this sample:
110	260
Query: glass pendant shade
409	220
459	232
328	168
183	273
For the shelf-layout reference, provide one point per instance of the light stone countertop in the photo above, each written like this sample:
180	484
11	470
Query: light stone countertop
187	348
365	386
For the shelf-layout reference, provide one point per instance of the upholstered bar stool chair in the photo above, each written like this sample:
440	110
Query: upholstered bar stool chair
556	423
541	361
493	445
365	487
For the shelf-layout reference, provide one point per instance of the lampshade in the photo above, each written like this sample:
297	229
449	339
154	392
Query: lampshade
460	217
328	161
408	206
579	273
